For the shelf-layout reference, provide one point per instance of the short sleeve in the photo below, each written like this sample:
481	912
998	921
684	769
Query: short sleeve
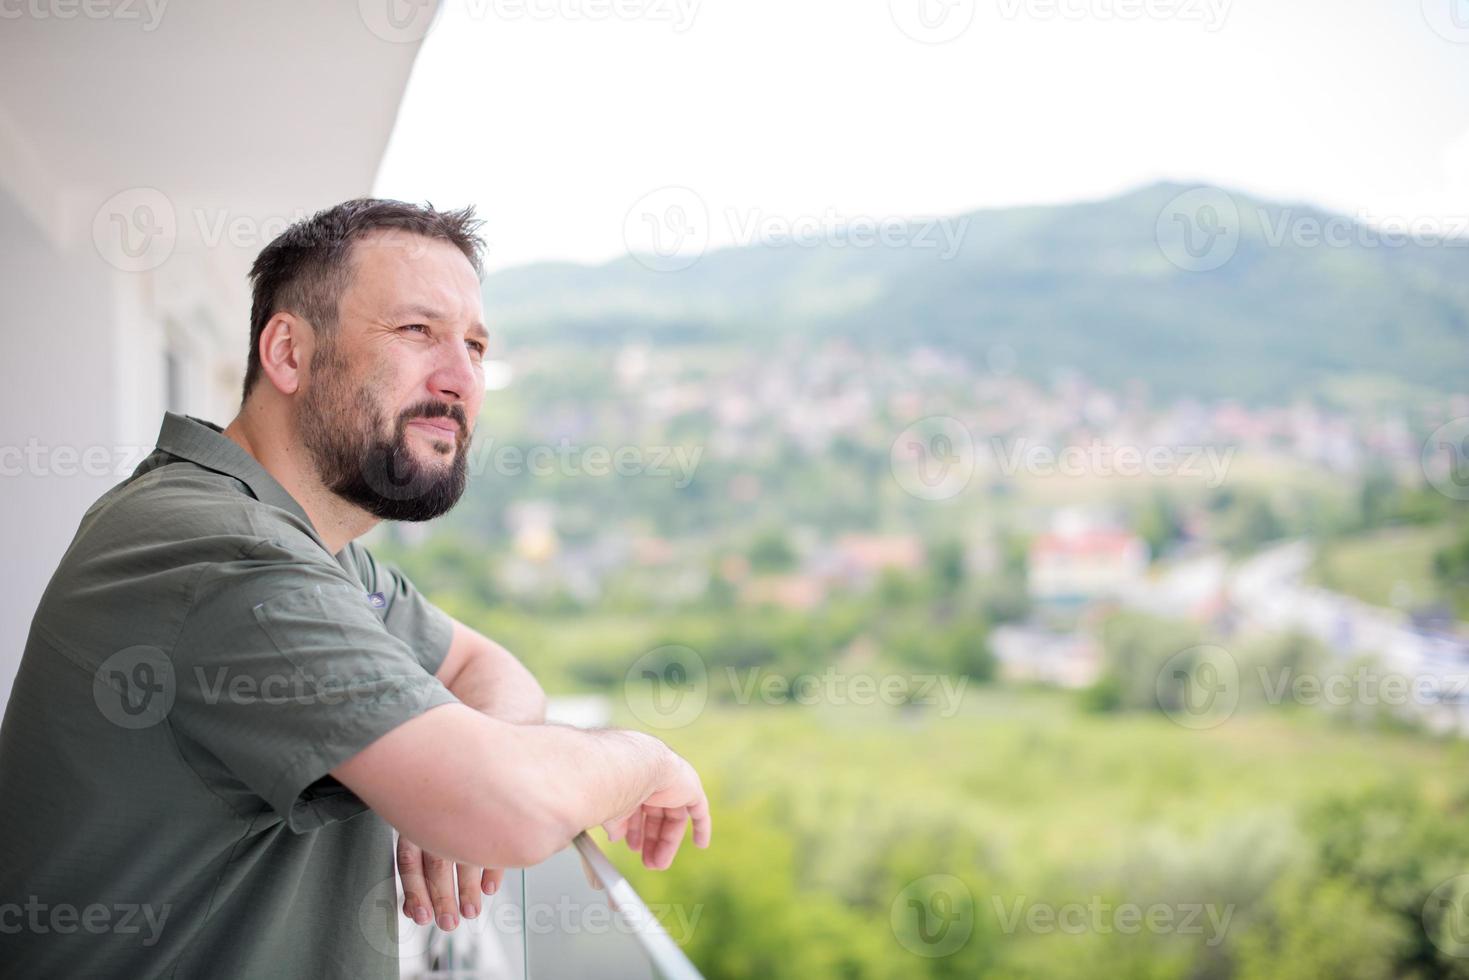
426	628
283	671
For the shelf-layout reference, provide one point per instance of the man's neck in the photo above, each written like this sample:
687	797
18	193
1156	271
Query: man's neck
273	444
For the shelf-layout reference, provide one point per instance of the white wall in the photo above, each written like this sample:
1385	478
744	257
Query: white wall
57	345
83	346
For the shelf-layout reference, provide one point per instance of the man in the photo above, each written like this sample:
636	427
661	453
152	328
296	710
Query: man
225	705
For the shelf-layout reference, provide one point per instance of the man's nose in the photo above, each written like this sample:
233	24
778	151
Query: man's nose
454	375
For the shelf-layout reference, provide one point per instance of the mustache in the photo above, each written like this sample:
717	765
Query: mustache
436	410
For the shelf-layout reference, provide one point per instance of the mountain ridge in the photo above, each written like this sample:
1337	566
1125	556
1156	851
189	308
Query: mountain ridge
1117	288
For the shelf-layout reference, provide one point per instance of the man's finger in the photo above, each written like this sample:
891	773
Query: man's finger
491	880
617	827
702	821
469	877
653	818
671	838
415	889
441	891
635	830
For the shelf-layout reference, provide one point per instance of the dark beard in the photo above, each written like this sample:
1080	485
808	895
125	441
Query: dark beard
342	429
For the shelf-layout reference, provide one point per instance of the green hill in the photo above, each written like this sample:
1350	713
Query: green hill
1087	286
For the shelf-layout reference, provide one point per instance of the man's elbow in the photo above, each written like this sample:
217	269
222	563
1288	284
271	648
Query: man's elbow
516	840
521	823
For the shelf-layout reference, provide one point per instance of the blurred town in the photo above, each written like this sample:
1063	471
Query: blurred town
641	478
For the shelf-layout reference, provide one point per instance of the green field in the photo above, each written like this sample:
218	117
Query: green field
1389	567
825	815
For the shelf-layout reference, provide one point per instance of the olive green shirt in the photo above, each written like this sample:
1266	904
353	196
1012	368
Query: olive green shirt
198	664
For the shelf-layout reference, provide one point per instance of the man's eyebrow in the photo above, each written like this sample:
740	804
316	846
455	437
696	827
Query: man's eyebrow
476	329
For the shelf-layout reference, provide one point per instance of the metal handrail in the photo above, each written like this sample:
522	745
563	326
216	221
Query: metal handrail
668	959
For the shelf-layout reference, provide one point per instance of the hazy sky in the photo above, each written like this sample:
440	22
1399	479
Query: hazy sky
556	117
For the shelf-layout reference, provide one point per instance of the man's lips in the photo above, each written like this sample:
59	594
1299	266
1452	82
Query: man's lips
439	426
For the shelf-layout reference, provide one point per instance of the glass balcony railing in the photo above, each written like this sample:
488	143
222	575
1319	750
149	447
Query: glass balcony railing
572	916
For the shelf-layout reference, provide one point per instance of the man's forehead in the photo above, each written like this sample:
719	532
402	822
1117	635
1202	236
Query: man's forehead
415	275
393	248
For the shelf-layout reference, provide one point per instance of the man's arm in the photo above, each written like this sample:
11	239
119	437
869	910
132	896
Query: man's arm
487	677
491	794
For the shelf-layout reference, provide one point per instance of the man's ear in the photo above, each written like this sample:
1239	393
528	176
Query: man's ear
285	348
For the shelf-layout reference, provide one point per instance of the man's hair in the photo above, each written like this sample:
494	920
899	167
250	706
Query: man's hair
308	266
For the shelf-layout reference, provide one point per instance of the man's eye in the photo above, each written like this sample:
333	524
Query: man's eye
415	326
477	347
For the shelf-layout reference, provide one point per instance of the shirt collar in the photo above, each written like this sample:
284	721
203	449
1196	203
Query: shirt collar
205	444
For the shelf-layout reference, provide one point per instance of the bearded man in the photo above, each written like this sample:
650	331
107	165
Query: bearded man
226	705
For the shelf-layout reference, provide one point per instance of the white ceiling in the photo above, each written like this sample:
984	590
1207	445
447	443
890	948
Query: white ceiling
233	111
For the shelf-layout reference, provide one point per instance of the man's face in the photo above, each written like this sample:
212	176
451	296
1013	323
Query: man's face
391	395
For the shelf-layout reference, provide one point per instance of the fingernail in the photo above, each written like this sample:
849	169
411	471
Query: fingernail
494	887
421	916
469	910
446	921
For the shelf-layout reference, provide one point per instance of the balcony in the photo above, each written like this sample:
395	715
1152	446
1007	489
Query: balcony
572	916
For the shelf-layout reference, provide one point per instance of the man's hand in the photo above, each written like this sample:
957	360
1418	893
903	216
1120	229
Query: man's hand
656	826
430	891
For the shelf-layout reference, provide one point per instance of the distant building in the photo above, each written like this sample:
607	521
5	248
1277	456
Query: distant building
1037	655
1082	566
532	526
799	592
856	560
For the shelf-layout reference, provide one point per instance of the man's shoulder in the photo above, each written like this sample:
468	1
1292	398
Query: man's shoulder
174	500
152	537
135	566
